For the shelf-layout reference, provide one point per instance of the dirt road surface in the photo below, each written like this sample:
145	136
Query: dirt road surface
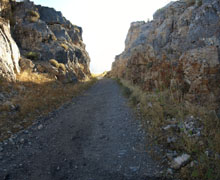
95	137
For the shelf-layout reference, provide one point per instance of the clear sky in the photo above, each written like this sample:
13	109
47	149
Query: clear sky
105	24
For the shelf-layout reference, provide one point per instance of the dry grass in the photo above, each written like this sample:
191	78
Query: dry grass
34	95
64	46
58	65
162	108
33	16
54	63
62	67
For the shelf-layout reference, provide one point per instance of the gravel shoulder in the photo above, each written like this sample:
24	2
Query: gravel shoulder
95	137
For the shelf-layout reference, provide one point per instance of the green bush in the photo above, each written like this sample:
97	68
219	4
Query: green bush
32	55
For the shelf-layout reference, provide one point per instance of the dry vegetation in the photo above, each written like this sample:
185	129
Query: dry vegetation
163	108
58	65
32	55
64	46
33	16
33	95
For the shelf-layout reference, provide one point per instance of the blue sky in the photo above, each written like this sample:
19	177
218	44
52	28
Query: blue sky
105	24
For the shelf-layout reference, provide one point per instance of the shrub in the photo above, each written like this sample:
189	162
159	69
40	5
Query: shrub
64	46
58	65
32	55
190	2
62	67
54	63
76	29
33	16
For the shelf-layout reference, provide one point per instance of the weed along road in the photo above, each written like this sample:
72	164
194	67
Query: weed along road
95	137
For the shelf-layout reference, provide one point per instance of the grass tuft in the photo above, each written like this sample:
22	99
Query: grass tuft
64	46
54	63
33	16
58	65
32	55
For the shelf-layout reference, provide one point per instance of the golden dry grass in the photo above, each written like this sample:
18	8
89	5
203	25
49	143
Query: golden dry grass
54	63
58	65
64	46
35	95
33	16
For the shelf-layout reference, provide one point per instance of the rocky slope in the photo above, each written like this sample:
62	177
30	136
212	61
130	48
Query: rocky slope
41	34
178	49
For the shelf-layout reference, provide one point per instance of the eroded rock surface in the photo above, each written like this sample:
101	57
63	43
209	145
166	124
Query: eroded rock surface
9	53
43	34
178	49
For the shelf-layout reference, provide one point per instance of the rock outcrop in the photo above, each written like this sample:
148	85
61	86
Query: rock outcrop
9	53
178	49
42	33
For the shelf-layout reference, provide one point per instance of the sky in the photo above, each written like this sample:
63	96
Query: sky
105	24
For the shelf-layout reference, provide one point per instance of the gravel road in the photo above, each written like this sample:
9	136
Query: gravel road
95	137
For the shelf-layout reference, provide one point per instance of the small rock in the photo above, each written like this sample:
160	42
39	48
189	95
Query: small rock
1	149
40	127
11	141
180	161
192	164
2	97
122	152
169	171
134	168
171	155
171	140
17	126
21	140
150	104
169	126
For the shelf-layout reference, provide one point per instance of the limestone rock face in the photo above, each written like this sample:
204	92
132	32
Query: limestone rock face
43	34
9	53
178	49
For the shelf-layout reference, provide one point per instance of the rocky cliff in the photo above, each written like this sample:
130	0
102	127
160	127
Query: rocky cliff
42	34
9	52
178	49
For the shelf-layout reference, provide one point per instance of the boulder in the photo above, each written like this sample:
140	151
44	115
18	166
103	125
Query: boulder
26	64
